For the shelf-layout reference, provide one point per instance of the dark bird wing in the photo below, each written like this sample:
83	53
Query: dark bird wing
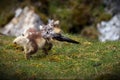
60	37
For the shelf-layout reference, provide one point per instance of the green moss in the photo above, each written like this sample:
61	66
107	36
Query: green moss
89	60
6	20
90	32
104	17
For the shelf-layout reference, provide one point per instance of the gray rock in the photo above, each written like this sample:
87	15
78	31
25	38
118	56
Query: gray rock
109	31
23	19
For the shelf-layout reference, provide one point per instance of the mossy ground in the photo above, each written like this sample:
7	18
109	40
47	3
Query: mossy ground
89	60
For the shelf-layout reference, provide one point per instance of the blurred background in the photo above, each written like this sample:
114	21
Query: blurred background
76	16
81	20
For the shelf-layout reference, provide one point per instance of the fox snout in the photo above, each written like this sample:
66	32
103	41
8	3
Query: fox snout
14	42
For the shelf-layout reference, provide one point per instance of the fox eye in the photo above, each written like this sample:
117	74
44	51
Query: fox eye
22	34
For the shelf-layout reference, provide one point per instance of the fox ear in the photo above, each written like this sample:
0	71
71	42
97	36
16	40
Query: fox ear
50	21
56	22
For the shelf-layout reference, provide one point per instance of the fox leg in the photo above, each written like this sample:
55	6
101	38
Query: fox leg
45	51
25	49
25	52
29	52
48	46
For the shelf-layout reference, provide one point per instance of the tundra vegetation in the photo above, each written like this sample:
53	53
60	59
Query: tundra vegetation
90	60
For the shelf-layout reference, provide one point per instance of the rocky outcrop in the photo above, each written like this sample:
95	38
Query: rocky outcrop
23	19
112	6
109	31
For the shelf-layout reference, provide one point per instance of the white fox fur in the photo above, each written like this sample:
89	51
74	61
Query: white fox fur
31	43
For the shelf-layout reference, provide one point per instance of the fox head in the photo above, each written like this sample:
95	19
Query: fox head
55	25
21	40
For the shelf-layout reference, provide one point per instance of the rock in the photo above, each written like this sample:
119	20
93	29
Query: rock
109	31
23	19
112	6
18	12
